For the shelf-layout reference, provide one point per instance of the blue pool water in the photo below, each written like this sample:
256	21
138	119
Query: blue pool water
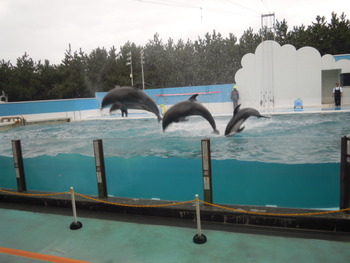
288	160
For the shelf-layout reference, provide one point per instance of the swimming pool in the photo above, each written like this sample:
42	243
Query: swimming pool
289	160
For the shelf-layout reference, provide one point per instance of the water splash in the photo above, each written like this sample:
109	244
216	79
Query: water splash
293	138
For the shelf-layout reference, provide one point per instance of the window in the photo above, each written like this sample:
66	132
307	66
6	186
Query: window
345	79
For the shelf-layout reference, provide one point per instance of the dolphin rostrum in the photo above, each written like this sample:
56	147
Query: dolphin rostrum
185	108
240	116
130	98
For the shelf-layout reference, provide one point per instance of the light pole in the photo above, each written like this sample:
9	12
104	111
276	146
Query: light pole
143	76
129	63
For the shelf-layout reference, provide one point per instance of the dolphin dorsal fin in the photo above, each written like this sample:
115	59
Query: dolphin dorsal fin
236	109
193	97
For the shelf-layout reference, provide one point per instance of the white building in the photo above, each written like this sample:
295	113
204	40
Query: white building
275	76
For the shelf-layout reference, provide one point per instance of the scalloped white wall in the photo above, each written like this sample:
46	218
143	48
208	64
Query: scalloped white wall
277	75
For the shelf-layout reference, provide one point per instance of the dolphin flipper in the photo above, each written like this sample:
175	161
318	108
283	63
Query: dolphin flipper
240	129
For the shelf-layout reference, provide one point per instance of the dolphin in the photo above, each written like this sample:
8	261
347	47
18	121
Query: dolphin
185	108
240	116
130	98
118	106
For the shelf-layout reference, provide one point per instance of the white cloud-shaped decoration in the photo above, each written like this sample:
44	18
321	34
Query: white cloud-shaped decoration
275	76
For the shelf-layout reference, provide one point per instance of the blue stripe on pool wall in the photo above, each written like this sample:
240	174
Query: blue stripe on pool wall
207	94
48	106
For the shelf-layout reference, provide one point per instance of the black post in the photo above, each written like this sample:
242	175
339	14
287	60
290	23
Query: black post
345	173
100	169
206	165
19	167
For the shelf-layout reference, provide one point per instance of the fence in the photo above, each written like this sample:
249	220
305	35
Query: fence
206	170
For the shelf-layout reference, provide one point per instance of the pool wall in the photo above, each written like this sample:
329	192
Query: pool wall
250	183
76	109
215	97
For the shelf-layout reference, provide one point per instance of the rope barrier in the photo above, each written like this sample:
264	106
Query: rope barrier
183	202
275	214
26	194
112	203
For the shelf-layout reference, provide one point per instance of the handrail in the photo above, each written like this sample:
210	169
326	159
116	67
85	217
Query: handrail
16	119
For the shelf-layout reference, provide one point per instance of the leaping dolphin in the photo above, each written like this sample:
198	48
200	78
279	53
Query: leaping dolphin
240	116
186	108
118	106
130	98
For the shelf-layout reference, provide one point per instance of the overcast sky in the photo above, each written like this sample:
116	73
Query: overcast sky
45	28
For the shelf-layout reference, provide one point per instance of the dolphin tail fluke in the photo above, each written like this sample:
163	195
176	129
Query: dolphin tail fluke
216	131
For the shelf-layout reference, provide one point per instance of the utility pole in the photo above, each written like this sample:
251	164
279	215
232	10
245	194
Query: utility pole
267	95
268	23
143	76
129	63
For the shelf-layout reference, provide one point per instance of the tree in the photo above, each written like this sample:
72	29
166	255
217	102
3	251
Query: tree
155	62
211	59
72	75
24	80
318	35
112	70
6	71
339	34
124	69
184	57
232	57
248	42
282	32
299	37
48	77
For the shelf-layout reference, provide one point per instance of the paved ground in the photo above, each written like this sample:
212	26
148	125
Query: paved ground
123	238
109	238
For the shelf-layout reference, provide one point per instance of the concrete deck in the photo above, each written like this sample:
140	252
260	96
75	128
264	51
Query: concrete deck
112	237
122	234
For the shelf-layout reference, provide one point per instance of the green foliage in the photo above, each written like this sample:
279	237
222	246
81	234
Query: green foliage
212	59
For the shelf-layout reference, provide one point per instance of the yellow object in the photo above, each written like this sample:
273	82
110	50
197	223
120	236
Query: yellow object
163	108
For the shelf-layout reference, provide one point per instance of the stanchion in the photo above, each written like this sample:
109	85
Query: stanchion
19	167
206	165
100	169
199	238
75	224
345	173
